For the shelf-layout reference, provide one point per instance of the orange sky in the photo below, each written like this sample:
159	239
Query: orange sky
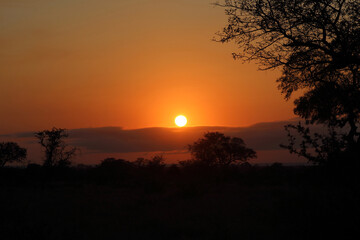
129	63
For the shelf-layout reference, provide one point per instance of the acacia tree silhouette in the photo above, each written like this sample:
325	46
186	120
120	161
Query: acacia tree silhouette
11	152
216	149
316	43
57	152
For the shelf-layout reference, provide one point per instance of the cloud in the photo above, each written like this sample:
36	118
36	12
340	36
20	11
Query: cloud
98	143
262	136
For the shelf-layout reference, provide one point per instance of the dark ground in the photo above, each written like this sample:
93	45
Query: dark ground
253	203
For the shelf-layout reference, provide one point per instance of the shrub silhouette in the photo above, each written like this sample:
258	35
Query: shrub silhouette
324	150
114	171
11	152
193	163
156	162
115	163
215	149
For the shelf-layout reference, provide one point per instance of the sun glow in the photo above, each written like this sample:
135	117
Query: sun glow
180	121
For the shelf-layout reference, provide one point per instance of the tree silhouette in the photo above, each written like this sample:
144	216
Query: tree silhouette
11	152
113	163
57	152
317	148
215	149
157	161
316	43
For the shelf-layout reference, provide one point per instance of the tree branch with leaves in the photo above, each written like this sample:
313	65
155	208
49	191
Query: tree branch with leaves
316	44
11	152
57	151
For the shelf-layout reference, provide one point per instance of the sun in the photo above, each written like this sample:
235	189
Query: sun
180	121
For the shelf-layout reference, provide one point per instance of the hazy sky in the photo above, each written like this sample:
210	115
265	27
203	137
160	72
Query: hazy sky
129	63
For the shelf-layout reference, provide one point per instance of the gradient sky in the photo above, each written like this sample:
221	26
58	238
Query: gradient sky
129	63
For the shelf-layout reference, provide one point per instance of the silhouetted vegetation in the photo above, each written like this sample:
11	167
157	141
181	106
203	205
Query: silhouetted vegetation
118	198
323	150
217	195
216	149
316	43
156	162
11	152
57	152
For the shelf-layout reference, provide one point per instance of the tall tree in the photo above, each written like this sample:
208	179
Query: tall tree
316	43
57	151
11	152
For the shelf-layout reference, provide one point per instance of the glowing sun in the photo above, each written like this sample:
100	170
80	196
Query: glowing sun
180	121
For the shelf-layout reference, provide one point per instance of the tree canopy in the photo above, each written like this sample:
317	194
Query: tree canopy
316	43
216	149
11	152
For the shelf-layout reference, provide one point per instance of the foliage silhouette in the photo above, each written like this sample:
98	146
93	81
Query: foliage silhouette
316	43
11	152
114	163
57	152
216	149
193	163
320	149
156	161
185	206
113	171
